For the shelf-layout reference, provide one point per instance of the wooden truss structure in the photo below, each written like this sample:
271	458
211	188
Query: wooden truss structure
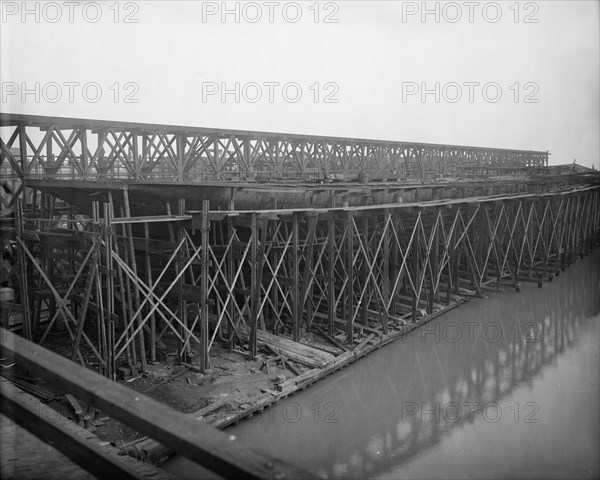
210	448
348	274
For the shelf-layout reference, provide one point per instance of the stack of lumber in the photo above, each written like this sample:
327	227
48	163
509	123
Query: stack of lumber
298	352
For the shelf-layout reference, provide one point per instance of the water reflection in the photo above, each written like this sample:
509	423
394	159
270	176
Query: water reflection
475	394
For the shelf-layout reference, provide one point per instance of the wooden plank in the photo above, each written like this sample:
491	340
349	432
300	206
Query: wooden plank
292	383
46	427
364	342
205	445
330	338
322	347
288	364
295	350
75	404
151	219
289	344
204	411
302	359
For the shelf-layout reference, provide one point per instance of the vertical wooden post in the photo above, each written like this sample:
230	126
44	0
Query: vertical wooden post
110	301
151	302
262	255
331	273
365	270
296	314
180	303
126	290
254	286
23	281
204	358
395	261
136	291
498	221
457	258
544	238
561	253
350	273
185	347
305	291
115	247
101	324
230	276
385	287
449	263
275	255
438	224
416	276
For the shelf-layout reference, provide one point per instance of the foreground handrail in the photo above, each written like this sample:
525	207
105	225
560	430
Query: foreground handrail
203	444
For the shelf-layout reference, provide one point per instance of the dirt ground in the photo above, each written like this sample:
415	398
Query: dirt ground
233	384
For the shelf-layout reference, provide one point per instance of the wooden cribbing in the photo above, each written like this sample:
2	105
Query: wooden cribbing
291	384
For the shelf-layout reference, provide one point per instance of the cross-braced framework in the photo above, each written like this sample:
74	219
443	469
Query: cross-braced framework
67	148
120	285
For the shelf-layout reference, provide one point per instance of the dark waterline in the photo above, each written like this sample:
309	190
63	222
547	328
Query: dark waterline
505	387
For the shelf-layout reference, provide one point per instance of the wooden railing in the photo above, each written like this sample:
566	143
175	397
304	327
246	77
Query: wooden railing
201	443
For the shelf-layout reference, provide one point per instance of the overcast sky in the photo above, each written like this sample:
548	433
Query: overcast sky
498	74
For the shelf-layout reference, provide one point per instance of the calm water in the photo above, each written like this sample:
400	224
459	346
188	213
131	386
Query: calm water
505	387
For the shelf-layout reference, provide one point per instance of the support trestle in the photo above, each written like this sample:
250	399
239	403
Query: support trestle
121	287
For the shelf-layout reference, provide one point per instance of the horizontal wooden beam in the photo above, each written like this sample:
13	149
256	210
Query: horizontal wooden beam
46	427
151	219
203	444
